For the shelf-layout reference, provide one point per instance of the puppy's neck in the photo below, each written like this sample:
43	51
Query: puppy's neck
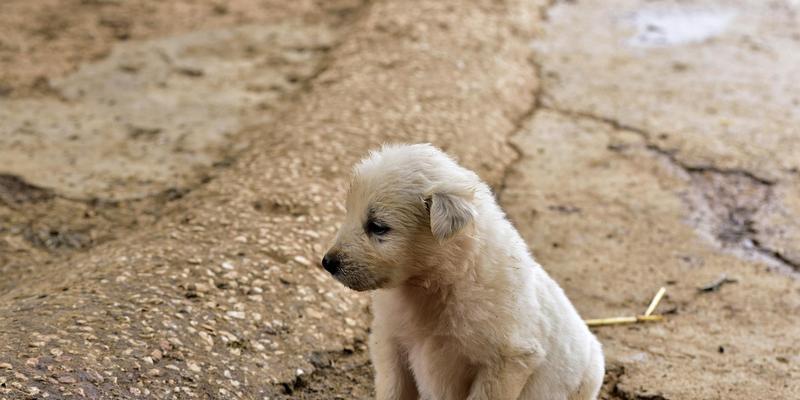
446	268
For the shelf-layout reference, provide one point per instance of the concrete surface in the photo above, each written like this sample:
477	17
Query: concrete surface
635	144
664	152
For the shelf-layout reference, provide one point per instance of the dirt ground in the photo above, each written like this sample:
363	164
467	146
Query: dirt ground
170	172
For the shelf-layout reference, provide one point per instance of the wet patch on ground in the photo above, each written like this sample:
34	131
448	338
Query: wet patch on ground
726	208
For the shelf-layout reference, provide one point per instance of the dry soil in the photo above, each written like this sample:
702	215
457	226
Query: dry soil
170	172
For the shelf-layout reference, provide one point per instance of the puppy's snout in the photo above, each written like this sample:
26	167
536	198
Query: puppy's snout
332	262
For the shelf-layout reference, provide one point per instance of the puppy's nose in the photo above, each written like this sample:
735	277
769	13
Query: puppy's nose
331	263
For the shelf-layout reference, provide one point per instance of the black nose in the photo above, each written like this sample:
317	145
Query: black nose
331	263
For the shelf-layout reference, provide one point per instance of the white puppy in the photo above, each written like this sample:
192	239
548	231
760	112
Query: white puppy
463	310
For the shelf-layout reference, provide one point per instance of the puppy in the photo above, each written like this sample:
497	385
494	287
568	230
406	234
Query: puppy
462	311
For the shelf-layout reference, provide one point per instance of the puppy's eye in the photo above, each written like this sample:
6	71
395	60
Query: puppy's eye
377	228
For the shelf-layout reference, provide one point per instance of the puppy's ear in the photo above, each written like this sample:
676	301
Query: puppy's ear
449	214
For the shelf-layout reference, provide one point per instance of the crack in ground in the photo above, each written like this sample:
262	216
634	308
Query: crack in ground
519	122
731	212
727	199
671	155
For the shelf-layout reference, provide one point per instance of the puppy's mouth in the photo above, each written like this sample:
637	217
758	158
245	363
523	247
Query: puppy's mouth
359	279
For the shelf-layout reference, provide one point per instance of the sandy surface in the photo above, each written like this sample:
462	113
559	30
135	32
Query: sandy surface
664	152
170	172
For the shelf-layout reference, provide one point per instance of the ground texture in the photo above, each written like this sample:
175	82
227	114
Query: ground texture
170	173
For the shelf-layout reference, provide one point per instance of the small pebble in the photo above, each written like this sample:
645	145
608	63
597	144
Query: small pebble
236	314
193	367
302	260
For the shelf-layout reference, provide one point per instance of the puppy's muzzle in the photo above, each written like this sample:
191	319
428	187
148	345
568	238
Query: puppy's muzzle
332	262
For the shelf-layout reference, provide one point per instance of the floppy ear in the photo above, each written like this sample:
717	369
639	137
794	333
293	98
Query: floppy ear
449	214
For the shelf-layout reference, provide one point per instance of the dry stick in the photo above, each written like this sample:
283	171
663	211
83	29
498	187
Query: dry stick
647	317
622	320
656	300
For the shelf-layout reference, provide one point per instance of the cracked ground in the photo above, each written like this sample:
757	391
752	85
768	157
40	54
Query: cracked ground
171	171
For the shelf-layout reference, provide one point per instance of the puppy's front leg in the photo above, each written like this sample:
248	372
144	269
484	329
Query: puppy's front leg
393	378
503	381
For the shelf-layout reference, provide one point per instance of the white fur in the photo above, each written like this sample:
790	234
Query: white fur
462	311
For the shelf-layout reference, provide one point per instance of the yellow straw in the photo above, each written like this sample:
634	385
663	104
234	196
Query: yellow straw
623	320
647	317
656	300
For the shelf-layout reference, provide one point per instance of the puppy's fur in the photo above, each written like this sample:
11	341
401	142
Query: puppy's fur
462	310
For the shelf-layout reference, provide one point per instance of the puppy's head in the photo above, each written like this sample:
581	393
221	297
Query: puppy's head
405	206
